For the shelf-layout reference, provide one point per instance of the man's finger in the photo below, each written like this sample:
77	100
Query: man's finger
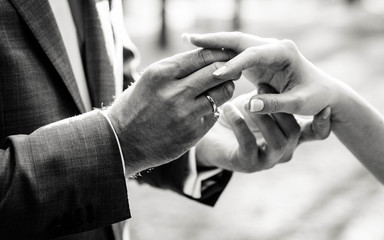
269	153
244	136
202	80
270	130
219	95
183	64
247	153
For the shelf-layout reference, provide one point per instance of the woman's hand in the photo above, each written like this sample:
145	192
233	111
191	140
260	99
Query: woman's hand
249	142
302	87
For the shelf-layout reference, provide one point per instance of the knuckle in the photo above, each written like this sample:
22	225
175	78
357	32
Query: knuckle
239	122
162	69
152	71
229	54
172	68
275	105
203	54
299	102
254	53
251	51
238	34
240	38
181	116
188	90
288	46
216	65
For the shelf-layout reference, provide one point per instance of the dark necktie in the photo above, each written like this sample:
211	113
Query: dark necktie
94	40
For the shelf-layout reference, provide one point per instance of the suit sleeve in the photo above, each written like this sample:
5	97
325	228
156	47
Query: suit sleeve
62	178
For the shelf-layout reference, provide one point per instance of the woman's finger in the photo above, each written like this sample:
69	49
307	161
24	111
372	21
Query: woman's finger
230	40
277	56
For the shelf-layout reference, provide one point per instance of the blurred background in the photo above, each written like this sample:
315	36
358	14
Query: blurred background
324	192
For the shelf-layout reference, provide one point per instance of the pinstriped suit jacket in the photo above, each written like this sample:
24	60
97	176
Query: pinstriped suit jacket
66	177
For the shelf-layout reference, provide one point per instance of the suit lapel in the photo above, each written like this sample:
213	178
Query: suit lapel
41	21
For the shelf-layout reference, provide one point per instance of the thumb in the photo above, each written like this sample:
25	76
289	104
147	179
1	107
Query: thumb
321	124
317	129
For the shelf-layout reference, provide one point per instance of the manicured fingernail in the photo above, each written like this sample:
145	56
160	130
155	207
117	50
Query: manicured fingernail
186	37
256	105
220	71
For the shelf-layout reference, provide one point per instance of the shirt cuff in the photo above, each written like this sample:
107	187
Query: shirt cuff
192	186
117	140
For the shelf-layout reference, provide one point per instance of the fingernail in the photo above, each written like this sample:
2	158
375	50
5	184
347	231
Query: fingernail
230	87
256	105
220	71
186	37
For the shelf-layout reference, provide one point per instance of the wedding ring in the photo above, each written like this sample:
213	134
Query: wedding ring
215	110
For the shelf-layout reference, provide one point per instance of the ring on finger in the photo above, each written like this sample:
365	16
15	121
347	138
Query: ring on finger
215	109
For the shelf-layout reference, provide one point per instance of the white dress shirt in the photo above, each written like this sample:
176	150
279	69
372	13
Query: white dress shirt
67	28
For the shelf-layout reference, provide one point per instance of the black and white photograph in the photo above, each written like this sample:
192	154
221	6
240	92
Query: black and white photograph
192	119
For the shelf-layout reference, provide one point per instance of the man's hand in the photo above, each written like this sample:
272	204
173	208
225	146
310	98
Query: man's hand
248	142
167	112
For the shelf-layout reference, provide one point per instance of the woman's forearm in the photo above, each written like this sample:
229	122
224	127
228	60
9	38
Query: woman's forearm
304	89
360	128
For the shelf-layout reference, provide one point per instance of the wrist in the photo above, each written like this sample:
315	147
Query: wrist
341	101
130	149
329	91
